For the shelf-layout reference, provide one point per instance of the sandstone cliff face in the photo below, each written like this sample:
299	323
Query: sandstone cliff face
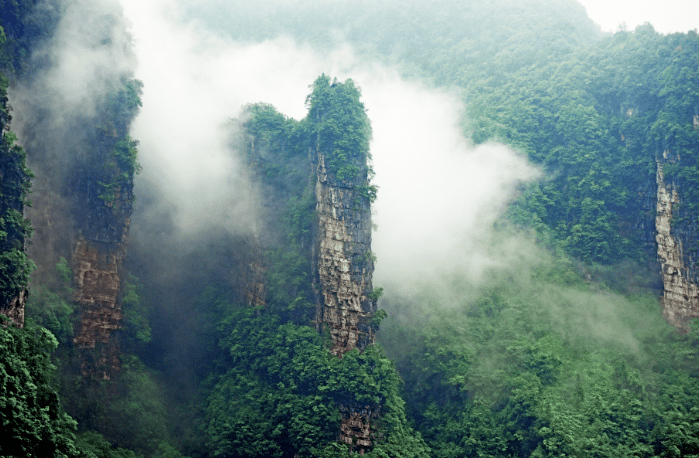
14	310
97	284
315	227
680	299
344	263
358	425
74	219
97	256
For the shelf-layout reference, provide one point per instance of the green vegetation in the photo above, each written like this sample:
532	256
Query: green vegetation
120	165
338	127
135	312
279	156
567	357
577	361
281	394
532	367
15	186
15	267
342	127
32	421
126	167
94	444
51	304
23	29
596	122
275	389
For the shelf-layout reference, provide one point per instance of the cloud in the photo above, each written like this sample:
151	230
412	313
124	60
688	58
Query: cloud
71	74
55	107
194	83
438	197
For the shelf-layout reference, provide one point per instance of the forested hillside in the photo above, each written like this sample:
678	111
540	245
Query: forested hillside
138	327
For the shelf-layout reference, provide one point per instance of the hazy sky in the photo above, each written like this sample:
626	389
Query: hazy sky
667	16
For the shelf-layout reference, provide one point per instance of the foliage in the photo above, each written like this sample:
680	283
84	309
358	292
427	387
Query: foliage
338	119
560	366
376	294
532	368
276	389
129	411
281	391
124	161
135	311
338	130
15	229
32	420
596	122
446	43
24	25
279	157
51	304
94	445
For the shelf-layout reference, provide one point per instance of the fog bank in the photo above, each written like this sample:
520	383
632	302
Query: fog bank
438	196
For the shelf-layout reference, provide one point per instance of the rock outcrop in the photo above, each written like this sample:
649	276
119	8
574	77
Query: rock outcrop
680	298
343	262
358	426
97	279
14	310
82	213
315	217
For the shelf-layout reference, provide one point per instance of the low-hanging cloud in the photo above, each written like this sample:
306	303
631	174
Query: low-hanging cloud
438	195
71	74
57	102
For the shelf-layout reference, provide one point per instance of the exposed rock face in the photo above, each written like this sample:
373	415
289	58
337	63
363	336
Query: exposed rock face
358	425
93	237
678	266
322	223
97	259
255	288
74	219
14	310
344	263
97	285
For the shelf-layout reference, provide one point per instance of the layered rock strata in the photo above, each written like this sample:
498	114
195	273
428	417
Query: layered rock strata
321	219
97	257
97	282
344	262
14	310
680	299
358	426
344	265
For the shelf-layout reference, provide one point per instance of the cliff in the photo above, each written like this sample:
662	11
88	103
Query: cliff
343	265
15	177
315	205
98	250
676	235
343	261
83	202
15	228
310	260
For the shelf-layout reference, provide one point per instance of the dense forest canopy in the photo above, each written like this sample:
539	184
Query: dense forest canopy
213	344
